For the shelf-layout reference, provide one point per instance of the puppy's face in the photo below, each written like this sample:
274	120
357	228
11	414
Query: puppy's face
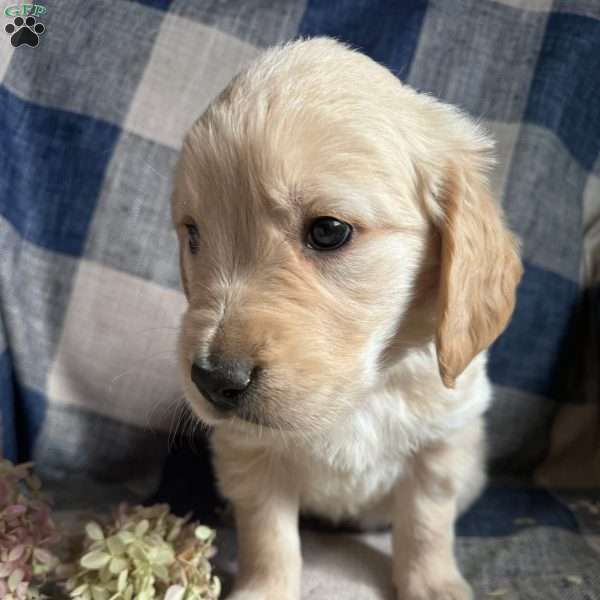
304	279
310	255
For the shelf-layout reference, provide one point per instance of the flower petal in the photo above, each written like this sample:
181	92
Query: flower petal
15	510
115	545
94	560
175	592
94	531
16	553
203	533
43	556
126	537
122	581
99	593
118	565
15	579
79	589
142	527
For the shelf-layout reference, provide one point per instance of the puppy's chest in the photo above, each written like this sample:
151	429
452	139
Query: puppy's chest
352	471
340	494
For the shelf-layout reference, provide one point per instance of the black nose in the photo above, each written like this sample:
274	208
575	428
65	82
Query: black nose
223	382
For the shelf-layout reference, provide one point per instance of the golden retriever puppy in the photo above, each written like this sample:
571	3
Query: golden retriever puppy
346	269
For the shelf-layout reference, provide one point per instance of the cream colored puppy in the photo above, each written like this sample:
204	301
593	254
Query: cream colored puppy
346	269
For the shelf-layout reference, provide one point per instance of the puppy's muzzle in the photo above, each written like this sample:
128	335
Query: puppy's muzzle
224	382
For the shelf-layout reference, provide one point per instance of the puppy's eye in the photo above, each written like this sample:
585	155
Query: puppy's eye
327	233
193	237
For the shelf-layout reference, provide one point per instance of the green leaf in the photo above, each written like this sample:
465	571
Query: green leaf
94	560
94	531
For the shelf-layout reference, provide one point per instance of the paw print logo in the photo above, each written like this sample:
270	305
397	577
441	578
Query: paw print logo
25	32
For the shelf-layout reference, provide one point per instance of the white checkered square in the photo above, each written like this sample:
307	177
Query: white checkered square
479	71
117	356
90	59
190	64
6	51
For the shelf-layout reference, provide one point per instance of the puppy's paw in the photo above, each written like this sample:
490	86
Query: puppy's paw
454	589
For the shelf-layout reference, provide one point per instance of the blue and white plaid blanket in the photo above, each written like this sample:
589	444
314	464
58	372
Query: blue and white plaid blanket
92	114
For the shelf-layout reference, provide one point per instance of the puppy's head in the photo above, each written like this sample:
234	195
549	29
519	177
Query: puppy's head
330	220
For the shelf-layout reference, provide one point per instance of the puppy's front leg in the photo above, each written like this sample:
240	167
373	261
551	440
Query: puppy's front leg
269	561
443	479
265	504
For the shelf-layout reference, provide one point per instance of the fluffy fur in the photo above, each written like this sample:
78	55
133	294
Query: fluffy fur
370	400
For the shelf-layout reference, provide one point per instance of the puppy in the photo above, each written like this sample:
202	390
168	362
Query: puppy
345	268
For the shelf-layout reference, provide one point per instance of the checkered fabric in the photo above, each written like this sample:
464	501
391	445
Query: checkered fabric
91	121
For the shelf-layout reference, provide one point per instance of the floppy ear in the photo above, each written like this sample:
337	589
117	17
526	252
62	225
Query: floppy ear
480	270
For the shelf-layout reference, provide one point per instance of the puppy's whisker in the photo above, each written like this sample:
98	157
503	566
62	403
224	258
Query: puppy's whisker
137	362
202	286
154	417
196	426
188	425
178	413
189	429
283	437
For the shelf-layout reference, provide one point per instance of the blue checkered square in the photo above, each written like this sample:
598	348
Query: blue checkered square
52	164
565	92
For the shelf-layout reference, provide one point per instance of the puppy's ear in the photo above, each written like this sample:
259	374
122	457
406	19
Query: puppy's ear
480	270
